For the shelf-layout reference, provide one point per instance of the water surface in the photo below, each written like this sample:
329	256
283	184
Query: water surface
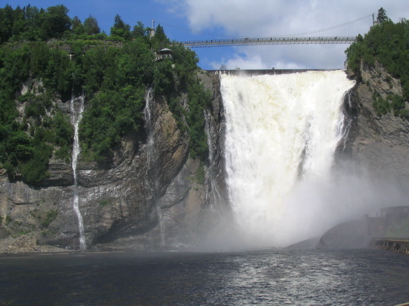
267	277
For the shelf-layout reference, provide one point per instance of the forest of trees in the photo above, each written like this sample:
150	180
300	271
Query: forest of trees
388	44
112	71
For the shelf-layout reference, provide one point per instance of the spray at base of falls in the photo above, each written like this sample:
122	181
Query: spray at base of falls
76	116
152	155
281	133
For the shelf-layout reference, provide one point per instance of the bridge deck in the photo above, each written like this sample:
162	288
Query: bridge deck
253	72
270	41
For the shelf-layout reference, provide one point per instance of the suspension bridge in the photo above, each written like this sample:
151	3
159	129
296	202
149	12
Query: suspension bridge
302	38
270	41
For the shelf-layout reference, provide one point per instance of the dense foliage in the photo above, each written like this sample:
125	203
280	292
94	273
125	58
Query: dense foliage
31	23
46	57
388	44
29	134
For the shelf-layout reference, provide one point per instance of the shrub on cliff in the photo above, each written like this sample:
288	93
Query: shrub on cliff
28	138
171	78
387	43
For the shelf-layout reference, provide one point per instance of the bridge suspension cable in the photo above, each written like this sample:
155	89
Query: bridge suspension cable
331	28
270	41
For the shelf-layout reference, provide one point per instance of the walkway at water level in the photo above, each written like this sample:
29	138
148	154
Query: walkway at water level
397	245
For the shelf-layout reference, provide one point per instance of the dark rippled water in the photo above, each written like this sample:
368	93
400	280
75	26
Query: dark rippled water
273	277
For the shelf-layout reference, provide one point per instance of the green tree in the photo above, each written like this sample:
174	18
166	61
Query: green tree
139	30
33	23
55	22
159	41
19	23
6	23
382	15
91	26
121	29
77	26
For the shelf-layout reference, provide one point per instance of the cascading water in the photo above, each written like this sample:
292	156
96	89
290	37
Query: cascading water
214	197
152	175
76	116
281	130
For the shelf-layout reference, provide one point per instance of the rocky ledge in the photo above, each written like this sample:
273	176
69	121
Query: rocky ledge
396	245
25	244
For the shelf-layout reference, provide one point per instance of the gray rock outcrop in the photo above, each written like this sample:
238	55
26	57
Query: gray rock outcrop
152	193
377	150
379	144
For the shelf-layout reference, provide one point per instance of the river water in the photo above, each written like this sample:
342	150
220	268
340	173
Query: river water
263	277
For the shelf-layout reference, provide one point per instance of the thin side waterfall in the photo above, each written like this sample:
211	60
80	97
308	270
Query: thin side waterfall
346	124
281	132
214	198
152	155
76	116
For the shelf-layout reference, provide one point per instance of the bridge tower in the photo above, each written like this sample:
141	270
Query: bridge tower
152	33
374	21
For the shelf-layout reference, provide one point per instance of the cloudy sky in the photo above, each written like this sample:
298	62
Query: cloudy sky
185	20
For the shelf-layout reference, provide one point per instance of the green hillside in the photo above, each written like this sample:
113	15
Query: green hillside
56	57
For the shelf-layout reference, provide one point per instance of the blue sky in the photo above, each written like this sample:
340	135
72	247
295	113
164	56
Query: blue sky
185	20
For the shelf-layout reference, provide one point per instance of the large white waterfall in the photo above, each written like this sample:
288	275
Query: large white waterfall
76	116
281	132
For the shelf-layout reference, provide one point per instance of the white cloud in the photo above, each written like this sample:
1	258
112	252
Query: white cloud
250	61
284	57
264	18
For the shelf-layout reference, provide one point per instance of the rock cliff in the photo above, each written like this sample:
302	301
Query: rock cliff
376	143
377	147
151	195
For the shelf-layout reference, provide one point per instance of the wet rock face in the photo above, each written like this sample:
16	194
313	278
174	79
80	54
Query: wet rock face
115	200
216	134
378	144
60	174
377	147
150	186
121	201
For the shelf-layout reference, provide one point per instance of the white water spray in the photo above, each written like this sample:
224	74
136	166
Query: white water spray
76	116
280	130
151	178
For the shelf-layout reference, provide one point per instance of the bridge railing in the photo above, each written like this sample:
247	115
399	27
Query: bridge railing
255	72
270	41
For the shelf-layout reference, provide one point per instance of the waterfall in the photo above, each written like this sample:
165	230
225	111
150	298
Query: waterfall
213	195
152	156
76	116
281	131
346	125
